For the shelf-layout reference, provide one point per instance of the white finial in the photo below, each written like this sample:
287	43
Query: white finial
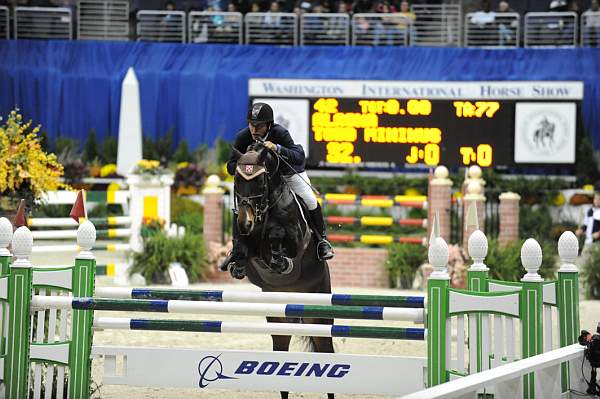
86	238
568	249
435	227
6	233
441	172
471	219
211	186
531	258
478	248
475	172
474	188
22	244
438	258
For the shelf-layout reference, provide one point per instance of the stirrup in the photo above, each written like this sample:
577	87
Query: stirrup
325	250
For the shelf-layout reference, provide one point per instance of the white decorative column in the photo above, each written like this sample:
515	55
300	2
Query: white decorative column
151	199
440	201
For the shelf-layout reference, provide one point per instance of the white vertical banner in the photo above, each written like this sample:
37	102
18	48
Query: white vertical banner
130	125
545	132
293	115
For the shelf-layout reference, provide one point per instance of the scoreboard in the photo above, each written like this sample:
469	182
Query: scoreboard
405	124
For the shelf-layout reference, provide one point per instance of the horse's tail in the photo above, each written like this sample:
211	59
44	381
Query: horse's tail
302	344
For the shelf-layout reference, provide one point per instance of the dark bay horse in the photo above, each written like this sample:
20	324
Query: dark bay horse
280	251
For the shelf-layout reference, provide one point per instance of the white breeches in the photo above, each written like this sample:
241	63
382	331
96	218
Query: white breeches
302	189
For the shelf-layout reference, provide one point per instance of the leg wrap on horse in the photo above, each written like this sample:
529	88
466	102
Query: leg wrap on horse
238	251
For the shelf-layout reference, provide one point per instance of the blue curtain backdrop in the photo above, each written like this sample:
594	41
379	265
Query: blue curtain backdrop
71	87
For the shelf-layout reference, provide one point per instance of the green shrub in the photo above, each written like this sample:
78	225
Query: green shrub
90	148
182	153
160	251
534	221
187	213
590	273
403	262
505	261
110	146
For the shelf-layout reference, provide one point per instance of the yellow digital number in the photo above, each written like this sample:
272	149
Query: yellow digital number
466	109
341	153
484	155
418	107
432	154
326	105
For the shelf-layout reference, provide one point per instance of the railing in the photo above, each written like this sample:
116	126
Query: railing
161	26
492	30
550	29
43	23
271	28
507	381
380	29
590	29
103	20
319	28
436	25
215	27
4	23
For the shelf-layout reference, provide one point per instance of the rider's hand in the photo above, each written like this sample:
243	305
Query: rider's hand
271	146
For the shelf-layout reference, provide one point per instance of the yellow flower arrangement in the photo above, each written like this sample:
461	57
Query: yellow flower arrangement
108	170
26	170
149	167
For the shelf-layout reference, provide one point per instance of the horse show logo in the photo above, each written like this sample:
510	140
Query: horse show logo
544	133
210	369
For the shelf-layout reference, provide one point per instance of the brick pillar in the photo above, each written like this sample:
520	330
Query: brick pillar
439	201
509	218
474	194
213	210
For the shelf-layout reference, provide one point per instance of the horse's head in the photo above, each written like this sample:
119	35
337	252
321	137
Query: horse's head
253	183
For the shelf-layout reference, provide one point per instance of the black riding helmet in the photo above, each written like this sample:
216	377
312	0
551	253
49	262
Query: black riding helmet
260	113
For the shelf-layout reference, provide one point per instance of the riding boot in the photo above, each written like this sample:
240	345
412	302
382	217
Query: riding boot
236	270
324	248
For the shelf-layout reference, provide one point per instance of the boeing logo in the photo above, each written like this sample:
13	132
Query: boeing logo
210	369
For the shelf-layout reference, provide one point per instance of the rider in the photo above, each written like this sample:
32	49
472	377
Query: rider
277	139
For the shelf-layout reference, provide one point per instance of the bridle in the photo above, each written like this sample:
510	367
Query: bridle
260	204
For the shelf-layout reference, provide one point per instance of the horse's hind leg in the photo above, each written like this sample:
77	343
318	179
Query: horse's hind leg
322	344
280	343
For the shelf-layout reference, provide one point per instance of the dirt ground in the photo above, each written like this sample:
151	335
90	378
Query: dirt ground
589	314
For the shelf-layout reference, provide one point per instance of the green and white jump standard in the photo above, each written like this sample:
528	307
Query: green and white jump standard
468	330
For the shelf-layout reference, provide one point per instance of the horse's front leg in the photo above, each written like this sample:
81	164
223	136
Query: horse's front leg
279	262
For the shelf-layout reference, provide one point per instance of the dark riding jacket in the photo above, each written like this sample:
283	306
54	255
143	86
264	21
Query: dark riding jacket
291	152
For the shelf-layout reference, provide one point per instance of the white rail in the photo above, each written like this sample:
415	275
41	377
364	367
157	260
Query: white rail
550	29
436	25
103	20
43	23
373	29
215	27
4	22
161	26
271	28
507	380
325	28
590	29
492	30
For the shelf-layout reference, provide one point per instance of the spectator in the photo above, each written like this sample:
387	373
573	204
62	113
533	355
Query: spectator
507	25
561	30
273	21
403	25
591	28
362	6
337	26
591	226
255	7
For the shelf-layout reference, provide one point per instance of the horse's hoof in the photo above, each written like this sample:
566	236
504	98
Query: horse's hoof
289	266
237	271
281	265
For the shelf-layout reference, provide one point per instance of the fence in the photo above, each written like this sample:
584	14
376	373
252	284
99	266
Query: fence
492	30
103	20
319	28
436	25
590	28
215	27
43	23
271	28
161	26
557	29
4	22
380	29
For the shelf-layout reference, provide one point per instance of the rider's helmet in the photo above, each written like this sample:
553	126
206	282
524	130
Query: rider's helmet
260	113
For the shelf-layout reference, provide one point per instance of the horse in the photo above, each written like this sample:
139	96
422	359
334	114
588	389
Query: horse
544	133
279	247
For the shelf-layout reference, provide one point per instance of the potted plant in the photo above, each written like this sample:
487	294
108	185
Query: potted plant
26	170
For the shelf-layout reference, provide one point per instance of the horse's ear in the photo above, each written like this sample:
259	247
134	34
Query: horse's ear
262	155
236	153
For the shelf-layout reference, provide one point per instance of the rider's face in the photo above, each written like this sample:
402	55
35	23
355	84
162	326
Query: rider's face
257	130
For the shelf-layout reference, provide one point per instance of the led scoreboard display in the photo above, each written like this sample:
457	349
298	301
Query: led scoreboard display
401	124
